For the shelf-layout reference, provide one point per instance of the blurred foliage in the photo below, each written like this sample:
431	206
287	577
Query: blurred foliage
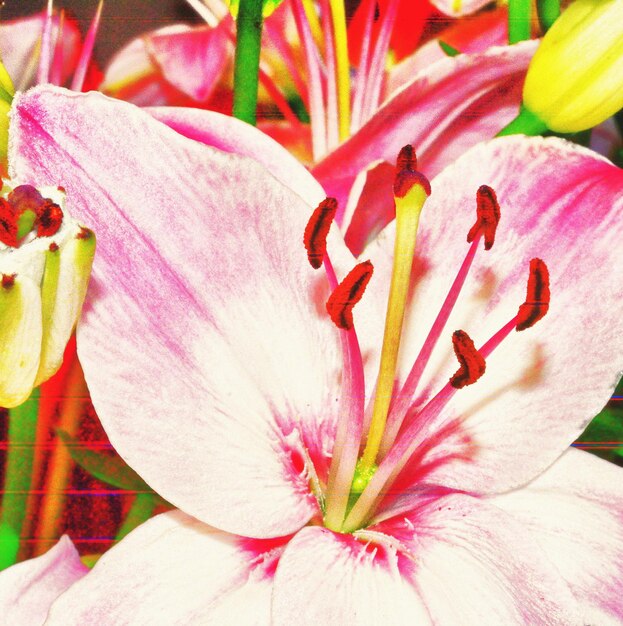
604	435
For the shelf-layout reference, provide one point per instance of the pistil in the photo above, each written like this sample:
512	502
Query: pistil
410	192
487	219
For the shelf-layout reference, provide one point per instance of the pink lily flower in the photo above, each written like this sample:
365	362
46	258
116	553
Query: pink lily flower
220	378
28	589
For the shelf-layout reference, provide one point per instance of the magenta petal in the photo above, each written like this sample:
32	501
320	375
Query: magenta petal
442	112
231	135
201	343
174	570
28	589
574	511
191	59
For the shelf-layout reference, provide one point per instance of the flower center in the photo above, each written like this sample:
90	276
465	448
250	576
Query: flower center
372	446
25	211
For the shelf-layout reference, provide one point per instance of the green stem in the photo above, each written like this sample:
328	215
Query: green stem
247	60
526	123
519	12
17	477
141	510
548	12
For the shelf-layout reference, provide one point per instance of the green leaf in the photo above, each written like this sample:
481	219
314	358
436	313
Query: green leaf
268	7
107	468
448	49
606	428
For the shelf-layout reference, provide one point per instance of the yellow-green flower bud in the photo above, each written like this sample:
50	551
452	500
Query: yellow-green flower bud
575	80
7	92
45	263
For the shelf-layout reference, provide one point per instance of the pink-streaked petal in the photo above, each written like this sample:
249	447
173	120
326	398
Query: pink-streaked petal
191	59
174	570
457	8
468	36
559	203
330	579
475	565
202	327
574	510
231	135
28	589
18	46
444	111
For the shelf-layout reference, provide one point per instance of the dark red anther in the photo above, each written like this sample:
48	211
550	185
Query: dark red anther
406	173
8	280
487	216
472	363
317	229
53	247
49	219
8	224
85	233
537	297
346	295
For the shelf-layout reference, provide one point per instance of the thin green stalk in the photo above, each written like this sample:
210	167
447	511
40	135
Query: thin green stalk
548	12
141	510
519	13
247	60
525	123
17	477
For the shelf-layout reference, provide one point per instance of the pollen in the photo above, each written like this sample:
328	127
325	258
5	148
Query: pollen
472	363
537	297
8	280
347	294
487	216
317	229
49	219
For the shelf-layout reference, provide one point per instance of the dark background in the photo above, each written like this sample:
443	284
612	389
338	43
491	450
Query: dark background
121	19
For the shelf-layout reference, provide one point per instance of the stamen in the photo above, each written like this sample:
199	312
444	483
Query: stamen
45	55
316	231
87	50
411	190
472	363
350	422
342	75
537	298
341	302
316	101
8	280
487	216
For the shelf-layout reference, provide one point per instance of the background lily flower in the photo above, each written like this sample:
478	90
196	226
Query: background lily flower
203	330
28	589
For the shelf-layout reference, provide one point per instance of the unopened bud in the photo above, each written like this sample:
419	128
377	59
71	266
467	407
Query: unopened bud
44	280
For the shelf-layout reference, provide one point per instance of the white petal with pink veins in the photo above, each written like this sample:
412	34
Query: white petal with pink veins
201	330
574	511
28	589
172	571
